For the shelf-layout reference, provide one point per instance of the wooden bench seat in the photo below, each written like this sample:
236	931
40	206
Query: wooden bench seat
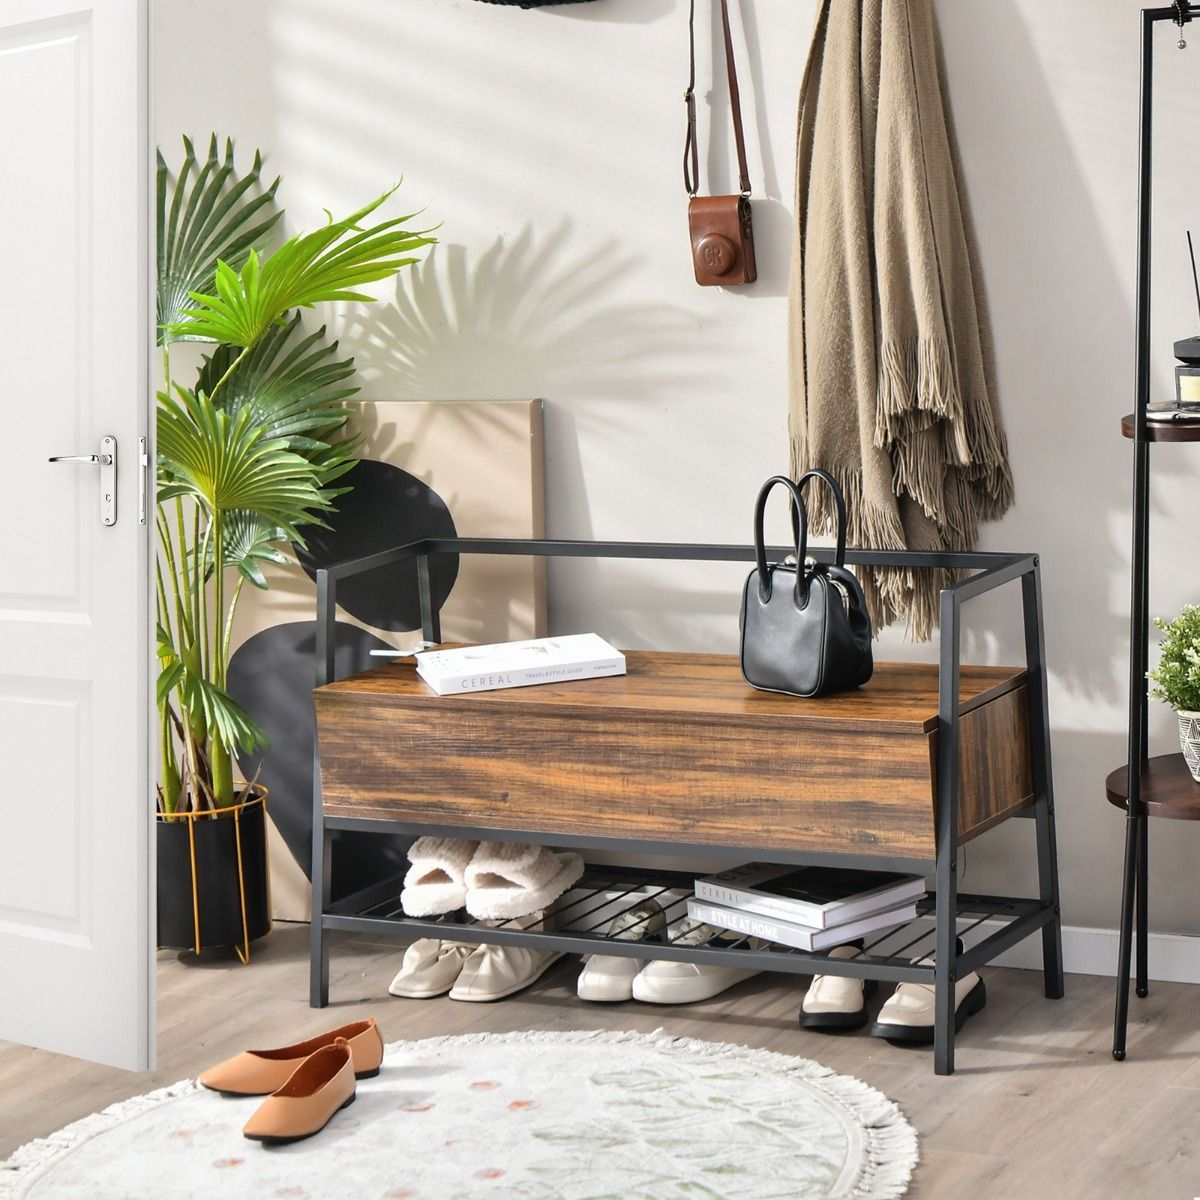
679	749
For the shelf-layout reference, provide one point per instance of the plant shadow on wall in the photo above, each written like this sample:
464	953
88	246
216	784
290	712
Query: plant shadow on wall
522	319
541	317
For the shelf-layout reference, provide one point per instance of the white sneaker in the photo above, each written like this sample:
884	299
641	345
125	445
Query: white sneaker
608	978
908	1013
429	968
836	1001
663	982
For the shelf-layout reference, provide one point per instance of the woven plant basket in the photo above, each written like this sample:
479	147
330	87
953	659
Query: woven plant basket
1189	740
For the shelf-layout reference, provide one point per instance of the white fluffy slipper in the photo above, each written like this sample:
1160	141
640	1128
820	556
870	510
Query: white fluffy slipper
511	879
435	882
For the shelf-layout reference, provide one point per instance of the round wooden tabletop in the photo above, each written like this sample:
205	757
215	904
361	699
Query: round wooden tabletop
1168	789
1164	431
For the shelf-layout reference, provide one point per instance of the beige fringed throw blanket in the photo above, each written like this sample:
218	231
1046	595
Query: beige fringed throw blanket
891	382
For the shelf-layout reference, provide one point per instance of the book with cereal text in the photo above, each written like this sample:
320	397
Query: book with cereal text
519	664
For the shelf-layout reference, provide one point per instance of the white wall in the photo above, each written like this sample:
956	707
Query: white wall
548	144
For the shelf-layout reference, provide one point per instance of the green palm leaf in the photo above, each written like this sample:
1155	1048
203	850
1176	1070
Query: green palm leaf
251	541
293	384
200	697
223	461
217	216
328	264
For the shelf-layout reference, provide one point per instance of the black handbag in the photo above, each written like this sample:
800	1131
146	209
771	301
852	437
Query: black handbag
805	628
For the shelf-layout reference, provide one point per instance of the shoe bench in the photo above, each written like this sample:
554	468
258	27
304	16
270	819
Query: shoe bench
681	757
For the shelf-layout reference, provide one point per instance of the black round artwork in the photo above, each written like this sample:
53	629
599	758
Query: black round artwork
386	507
271	676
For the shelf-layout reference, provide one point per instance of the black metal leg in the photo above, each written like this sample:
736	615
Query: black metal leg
945	972
322	839
1121	1019
318	940
946	884
1142	907
1054	983
1043	780
1134	891
431	618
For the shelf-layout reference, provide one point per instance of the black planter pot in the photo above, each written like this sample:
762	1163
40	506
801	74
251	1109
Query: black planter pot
212	878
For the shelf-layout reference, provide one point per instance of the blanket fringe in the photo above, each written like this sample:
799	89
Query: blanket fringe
891	593
918	387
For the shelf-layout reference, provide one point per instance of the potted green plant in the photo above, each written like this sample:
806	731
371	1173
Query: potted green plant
248	455
1176	679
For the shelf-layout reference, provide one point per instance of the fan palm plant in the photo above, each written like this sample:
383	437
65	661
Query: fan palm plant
249	453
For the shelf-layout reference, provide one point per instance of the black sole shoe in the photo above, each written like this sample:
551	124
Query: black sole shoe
922	1035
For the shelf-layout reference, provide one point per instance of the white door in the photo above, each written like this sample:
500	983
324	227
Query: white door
75	875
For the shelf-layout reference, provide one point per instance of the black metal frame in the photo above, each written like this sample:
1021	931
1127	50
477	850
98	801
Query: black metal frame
1135	884
377	910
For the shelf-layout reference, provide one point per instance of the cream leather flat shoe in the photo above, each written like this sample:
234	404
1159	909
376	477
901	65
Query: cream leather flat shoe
908	1013
429	968
261	1072
493	972
320	1087
836	1001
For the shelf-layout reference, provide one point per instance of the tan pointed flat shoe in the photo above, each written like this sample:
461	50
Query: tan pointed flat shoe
261	1072
320	1087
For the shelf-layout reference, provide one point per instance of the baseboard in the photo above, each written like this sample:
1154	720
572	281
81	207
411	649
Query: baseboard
1174	957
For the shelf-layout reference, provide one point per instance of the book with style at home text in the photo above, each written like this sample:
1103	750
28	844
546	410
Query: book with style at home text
519	664
789	933
819	897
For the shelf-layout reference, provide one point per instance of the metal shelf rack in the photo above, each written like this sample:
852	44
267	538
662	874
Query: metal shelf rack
376	909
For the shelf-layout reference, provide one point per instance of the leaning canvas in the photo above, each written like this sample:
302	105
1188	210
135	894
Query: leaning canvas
466	468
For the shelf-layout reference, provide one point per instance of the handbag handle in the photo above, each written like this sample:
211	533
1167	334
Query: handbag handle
839	503
691	153
799	531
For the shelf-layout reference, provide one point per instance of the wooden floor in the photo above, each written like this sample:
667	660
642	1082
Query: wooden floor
1037	1107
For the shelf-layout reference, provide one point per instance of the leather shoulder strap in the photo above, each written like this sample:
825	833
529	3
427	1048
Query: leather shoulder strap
735	102
691	153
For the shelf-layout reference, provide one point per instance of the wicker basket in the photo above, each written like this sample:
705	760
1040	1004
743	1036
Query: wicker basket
1189	740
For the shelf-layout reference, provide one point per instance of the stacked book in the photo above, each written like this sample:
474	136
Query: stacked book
809	908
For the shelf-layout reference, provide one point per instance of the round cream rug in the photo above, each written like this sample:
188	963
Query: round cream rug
525	1116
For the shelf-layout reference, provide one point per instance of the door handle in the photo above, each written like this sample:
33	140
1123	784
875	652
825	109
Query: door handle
100	459
106	460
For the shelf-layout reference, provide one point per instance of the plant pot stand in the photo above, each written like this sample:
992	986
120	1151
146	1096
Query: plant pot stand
1153	789
213	887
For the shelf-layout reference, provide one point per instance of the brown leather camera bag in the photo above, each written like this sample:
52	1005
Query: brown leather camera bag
720	226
